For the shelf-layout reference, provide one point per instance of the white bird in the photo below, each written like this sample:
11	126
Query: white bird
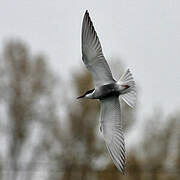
107	90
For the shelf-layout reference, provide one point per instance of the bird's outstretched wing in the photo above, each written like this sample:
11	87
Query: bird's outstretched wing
92	54
111	126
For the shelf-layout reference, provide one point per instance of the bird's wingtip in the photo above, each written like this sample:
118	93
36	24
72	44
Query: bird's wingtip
87	13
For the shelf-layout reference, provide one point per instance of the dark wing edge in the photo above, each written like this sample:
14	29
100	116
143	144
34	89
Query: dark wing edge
89	35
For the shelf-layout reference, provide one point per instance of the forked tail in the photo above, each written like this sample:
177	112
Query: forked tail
129	95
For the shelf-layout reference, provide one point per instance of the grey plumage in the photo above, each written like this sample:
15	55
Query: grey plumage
111	125
107	90
92	54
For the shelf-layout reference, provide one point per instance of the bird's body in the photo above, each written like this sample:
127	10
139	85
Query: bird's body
107	90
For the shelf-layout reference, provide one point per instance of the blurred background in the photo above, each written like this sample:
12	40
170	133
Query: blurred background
45	133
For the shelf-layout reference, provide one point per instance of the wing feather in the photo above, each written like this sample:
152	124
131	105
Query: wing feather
92	54
112	130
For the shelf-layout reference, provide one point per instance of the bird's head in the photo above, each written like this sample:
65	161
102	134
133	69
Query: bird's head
88	94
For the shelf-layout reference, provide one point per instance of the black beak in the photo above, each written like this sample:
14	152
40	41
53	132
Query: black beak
80	97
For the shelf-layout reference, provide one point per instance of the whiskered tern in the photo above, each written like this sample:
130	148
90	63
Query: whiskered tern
107	90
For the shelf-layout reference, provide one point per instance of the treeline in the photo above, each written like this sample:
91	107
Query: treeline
47	135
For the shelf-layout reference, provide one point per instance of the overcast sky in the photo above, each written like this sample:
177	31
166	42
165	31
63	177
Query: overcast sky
145	35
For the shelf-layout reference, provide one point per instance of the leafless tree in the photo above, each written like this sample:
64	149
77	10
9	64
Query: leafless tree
27	105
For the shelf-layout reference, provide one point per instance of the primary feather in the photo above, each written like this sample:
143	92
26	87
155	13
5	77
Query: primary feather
92	54
111	126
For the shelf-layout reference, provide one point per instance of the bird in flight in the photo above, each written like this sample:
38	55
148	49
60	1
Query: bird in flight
107	90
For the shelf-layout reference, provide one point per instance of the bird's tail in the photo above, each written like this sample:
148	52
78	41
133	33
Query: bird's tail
129	93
